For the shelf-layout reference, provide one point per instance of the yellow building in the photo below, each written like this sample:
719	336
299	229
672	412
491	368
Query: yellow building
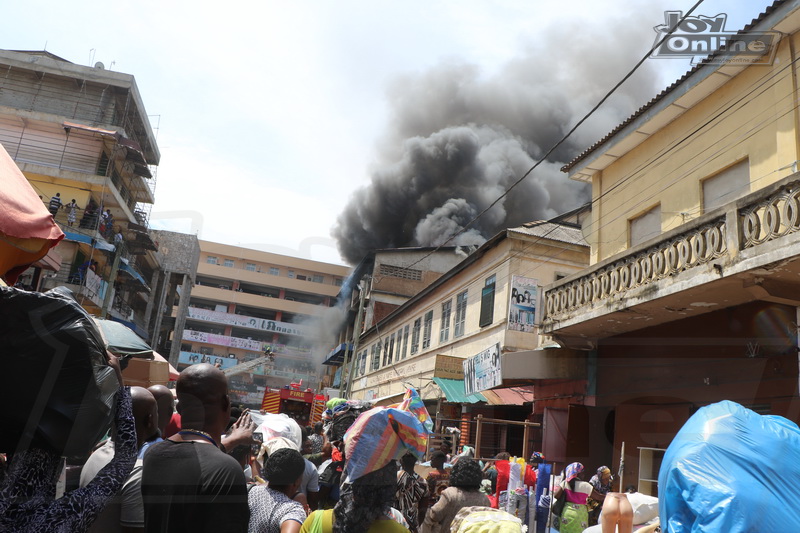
246	303
692	296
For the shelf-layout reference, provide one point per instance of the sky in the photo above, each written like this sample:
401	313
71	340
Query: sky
272	116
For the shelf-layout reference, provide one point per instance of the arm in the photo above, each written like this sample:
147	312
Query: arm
290	526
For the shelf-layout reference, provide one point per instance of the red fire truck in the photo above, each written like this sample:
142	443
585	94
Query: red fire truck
304	406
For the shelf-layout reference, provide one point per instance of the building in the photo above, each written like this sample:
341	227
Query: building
485	303
247	303
692	295
82	133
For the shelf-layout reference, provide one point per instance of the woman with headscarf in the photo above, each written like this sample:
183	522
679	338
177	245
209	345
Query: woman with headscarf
575	516
601	482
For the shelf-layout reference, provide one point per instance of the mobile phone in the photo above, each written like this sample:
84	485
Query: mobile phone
258	436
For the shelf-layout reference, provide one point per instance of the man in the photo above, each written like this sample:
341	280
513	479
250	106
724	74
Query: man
272	509
411	488
125	513
309	484
55	204
189	484
166	406
438	479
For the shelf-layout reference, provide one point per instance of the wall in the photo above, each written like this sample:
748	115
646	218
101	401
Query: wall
663	171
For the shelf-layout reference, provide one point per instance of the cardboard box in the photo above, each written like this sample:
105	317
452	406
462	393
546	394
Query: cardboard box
146	370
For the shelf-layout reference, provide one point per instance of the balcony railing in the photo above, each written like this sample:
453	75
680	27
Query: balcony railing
718	237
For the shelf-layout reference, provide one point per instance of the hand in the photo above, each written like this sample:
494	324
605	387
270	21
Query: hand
326	450
113	362
241	432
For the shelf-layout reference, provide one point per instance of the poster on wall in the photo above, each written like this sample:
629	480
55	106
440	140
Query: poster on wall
522	307
483	371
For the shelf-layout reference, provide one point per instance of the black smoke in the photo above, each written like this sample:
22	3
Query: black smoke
458	139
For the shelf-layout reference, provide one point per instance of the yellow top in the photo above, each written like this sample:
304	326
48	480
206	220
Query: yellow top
378	526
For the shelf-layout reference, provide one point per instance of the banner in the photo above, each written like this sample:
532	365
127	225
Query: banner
243	321
522	307
483	371
191	358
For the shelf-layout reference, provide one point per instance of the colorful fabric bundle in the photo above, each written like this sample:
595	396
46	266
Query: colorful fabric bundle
384	434
413	404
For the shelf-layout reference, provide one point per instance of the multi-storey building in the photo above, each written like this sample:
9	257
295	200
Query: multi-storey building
692	296
247	303
82	133
487	301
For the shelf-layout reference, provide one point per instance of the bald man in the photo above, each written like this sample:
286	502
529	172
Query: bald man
188	483
125	513
166	406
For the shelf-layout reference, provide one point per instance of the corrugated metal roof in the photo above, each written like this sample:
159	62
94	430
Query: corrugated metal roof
453	390
662	94
510	396
549	230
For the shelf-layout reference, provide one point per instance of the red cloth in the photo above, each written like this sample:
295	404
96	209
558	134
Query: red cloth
22	216
503	470
173	426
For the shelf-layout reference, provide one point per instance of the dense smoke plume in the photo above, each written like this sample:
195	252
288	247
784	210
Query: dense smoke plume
457	139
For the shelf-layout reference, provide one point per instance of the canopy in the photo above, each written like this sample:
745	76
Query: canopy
121	340
27	231
455	392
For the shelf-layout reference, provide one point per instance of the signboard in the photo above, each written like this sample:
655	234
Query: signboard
448	367
483	371
297	395
522	307
191	358
245	321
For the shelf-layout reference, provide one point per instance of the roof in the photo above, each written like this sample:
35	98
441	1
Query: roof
454	391
642	110
510	396
552	231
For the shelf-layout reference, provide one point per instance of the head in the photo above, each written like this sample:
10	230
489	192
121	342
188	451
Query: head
438	459
284	470
306	448
630	489
408	461
166	405
502	456
365	500
466	474
573	471
604	475
145	414
318	428
445	447
73	200
203	400
537	458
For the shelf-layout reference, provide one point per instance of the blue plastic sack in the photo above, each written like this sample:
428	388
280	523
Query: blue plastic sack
731	470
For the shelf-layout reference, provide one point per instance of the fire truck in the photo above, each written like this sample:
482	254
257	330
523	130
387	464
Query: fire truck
305	406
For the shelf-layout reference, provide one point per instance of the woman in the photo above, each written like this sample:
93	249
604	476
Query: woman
601	482
363	506
465	482
575	516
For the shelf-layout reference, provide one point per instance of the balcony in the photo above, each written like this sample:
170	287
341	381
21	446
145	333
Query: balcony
745	251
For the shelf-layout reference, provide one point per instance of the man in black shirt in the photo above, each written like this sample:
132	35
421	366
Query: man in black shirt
188	483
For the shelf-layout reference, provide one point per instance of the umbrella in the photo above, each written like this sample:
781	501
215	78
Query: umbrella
27	231
122	340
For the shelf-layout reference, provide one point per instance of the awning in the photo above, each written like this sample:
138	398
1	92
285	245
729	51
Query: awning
510	396
103	245
128	269
142	170
74	125
453	390
77	237
121	339
336	356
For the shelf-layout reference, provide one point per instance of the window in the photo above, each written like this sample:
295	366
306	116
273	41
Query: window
461	314
290	273
275	271
375	353
415	336
338	282
212	260
391	348
426	333
727	186
405	343
301	277
228	263
250	267
645	226
400	272
444	332
363	362
316	278
399	352
487	302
